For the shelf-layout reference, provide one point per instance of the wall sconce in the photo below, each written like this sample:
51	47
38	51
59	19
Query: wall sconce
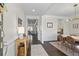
1	7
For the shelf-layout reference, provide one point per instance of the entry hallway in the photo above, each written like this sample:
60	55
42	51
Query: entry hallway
39	29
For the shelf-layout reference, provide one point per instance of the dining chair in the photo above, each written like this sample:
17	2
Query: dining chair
70	44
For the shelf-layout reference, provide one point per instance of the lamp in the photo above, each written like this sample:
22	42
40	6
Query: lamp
20	30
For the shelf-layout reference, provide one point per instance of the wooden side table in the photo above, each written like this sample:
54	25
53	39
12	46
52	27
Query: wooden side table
21	47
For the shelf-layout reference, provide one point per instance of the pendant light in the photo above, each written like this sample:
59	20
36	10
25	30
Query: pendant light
75	16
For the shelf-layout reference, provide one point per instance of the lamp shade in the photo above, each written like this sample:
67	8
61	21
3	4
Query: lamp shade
20	30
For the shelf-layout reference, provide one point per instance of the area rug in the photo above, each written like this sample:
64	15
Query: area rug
68	52
38	50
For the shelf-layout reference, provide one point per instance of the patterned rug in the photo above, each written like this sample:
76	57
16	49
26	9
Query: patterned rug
38	50
63	49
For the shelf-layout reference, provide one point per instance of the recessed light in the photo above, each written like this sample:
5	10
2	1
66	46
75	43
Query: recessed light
67	20
33	10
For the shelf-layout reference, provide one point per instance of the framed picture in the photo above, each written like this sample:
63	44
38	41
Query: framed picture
19	22
49	25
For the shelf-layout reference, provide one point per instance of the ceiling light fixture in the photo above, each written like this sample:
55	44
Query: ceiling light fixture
33	10
75	6
75	16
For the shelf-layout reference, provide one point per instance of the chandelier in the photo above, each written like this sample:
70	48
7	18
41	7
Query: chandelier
75	16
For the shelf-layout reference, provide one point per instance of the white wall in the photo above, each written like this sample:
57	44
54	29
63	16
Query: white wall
74	30
68	26
10	26
39	28
65	25
49	34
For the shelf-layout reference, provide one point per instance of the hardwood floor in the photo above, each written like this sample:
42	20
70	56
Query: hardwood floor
51	50
35	39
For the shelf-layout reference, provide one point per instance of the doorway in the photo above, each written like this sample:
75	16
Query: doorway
32	30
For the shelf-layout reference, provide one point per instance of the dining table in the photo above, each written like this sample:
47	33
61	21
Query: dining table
63	35
76	38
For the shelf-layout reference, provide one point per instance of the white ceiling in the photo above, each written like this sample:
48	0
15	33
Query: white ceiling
56	9
39	7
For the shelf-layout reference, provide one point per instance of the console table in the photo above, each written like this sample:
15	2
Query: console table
21	46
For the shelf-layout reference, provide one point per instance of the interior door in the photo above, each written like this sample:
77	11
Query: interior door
1	34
